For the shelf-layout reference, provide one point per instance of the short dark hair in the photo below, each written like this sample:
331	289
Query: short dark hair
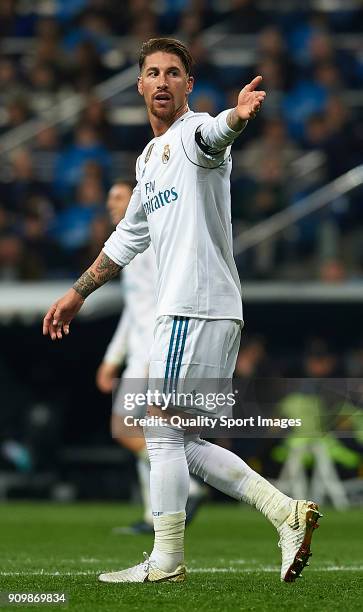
168	45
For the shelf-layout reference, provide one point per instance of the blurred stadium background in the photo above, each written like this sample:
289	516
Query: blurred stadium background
71	122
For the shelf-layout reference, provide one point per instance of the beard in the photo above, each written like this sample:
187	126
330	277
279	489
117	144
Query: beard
164	114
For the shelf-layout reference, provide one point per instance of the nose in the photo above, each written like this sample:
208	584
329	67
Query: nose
162	84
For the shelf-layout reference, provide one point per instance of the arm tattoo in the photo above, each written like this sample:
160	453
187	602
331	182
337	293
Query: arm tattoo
101	271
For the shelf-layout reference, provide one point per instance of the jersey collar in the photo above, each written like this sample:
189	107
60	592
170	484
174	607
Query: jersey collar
179	120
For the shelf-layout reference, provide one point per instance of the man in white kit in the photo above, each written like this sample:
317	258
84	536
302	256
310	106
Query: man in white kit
181	203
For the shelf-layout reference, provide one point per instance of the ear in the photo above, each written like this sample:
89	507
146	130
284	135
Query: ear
190	84
140	88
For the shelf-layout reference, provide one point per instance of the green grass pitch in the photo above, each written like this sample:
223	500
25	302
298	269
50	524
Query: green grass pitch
231	552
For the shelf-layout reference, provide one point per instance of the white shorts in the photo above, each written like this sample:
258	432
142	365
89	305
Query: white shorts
192	356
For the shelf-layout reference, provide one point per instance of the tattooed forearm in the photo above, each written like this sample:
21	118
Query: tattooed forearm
105	268
101	271
85	285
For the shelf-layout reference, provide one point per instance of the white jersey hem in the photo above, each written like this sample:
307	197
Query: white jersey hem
199	316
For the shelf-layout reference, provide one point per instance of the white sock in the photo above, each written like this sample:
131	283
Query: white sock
230	474
261	494
168	551
169	487
143	470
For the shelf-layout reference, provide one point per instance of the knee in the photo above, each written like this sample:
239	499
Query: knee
163	442
195	452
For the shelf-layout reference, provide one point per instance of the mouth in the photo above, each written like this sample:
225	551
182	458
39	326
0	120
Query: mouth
162	97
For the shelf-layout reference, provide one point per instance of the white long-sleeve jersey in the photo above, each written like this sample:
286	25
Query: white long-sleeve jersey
182	204
134	333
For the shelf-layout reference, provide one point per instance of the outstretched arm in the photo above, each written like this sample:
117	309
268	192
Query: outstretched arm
61	313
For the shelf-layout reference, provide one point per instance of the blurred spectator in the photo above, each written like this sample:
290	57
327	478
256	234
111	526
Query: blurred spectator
87	147
92	27
95	114
47	140
87	68
332	132
207	96
320	360
323	53
316	131
43	84
300	31
17	111
252	360
203	68
273	144
47	47
272	46
42	79
12	257
44	257
304	100
143	27
205	99
93	170
10	83
328	75
23	184
72	227
189	26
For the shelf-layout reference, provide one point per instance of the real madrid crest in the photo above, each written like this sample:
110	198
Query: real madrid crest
148	153
166	154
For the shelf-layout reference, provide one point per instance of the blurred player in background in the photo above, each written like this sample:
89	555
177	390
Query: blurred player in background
182	205
132	343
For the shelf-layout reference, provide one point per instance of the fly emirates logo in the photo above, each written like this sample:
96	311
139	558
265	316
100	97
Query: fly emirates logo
157	199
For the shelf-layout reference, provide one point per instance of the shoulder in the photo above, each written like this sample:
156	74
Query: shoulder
193	120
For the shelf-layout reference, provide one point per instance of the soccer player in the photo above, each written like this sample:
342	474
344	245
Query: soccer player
132	341
181	204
